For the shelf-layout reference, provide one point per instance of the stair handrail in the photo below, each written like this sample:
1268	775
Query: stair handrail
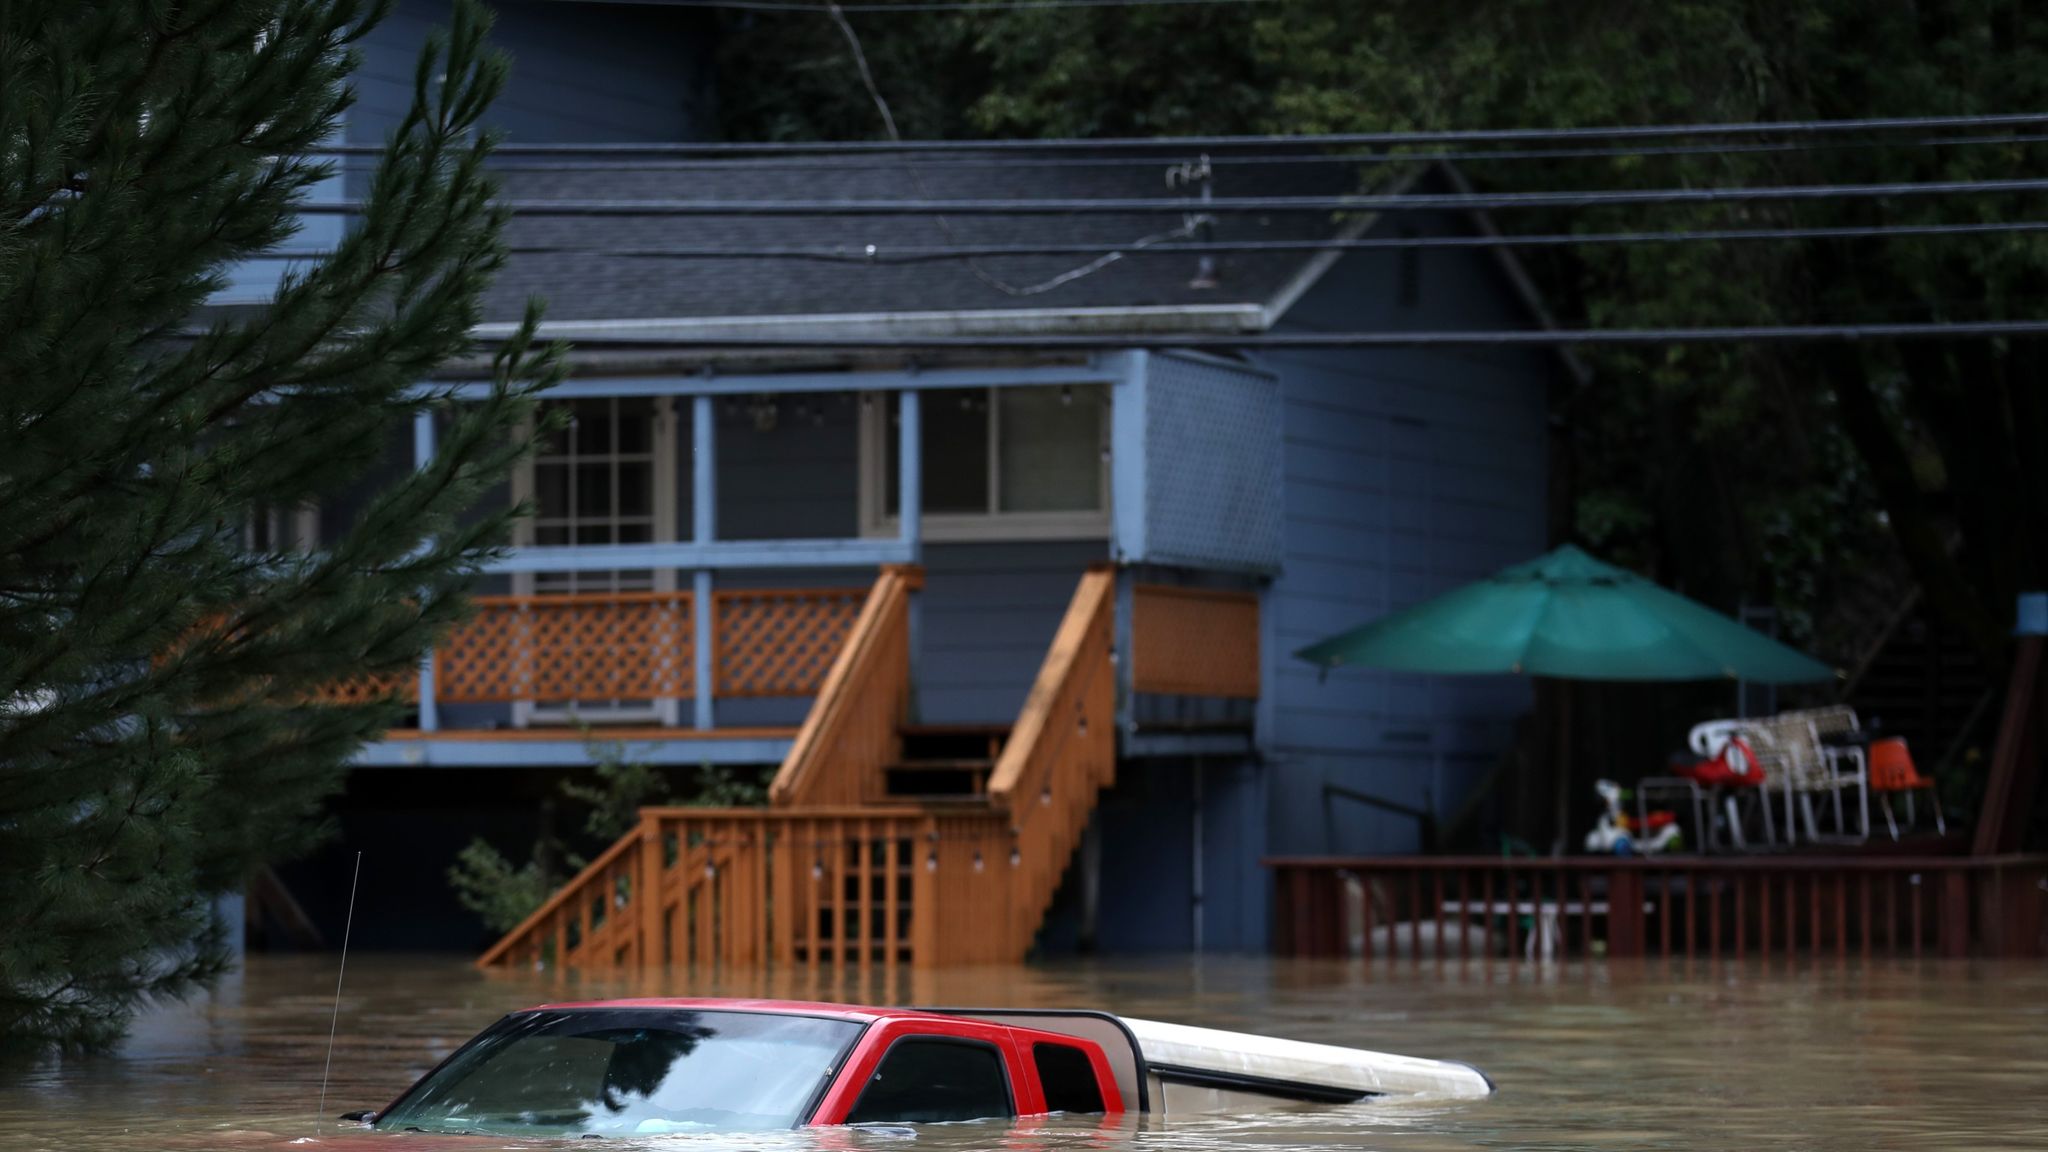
1033	735
569	890
1060	755
859	684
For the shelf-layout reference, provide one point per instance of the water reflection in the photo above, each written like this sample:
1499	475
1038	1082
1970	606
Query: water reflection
1829	1057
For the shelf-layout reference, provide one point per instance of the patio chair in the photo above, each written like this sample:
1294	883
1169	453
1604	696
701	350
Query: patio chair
1892	770
1817	759
1730	771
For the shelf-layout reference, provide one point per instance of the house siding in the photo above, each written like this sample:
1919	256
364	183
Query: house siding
1405	474
581	73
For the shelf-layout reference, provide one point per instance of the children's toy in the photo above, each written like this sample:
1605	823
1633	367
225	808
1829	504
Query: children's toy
1616	831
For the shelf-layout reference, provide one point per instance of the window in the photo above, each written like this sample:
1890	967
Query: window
1068	1078
924	1081
608	477
282	528
600	481
609	1072
999	463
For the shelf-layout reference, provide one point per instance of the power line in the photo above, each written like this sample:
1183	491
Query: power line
1030	163
1403	202
884	255
1322	140
1785	333
954	5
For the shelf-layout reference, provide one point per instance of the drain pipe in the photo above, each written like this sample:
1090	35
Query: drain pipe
1195	901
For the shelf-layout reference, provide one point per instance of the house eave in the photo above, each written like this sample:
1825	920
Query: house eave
1136	322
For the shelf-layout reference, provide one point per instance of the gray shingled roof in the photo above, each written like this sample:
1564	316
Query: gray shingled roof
594	283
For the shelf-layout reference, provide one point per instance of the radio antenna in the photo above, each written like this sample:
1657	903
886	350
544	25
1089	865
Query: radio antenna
347	927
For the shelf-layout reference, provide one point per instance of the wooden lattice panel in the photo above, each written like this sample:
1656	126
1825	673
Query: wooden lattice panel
1195	641
404	685
577	648
782	641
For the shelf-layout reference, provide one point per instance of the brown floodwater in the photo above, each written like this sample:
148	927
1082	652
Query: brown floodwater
1928	1056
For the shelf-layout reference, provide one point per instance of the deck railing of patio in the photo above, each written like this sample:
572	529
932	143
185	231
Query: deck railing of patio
595	647
1442	908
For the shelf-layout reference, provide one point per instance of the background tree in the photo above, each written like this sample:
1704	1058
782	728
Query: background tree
165	725
1798	475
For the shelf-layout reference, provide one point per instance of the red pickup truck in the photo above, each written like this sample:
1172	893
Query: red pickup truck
625	1068
651	1067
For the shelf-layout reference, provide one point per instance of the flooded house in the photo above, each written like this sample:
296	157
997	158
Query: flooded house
991	562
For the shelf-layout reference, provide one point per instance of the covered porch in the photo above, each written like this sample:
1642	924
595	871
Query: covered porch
657	601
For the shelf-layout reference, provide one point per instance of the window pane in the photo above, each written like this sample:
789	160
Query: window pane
636	489
636	425
593	490
549	535
955	440
930	1081
593	431
1067	1077
556	441
593	533
551	490
1051	452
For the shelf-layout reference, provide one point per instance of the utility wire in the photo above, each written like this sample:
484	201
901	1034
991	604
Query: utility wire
1462	136
1029	163
1102	260
1400	202
891	255
954	5
1782	333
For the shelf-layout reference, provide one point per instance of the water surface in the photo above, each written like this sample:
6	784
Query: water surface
1827	1057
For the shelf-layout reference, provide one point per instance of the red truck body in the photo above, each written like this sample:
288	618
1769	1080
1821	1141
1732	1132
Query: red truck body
884	1028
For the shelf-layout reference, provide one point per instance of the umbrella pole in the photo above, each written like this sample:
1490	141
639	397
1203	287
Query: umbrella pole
1563	775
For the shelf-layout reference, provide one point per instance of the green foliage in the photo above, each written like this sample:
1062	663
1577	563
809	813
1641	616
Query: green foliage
503	894
162	728
1765	472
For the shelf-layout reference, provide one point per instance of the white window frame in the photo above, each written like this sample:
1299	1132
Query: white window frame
875	521
666	711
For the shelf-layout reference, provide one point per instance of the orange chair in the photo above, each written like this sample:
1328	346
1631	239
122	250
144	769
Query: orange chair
1892	770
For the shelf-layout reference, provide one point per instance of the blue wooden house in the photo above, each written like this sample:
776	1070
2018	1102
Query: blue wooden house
1011	626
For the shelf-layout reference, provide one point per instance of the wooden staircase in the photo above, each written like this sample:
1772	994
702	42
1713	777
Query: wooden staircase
884	841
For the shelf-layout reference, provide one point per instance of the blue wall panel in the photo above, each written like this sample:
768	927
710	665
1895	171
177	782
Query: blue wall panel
1407	472
581	73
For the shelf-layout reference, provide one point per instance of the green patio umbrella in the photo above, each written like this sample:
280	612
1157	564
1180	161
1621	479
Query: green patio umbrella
1569	616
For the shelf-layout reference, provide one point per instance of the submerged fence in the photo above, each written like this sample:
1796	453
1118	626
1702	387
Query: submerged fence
1458	908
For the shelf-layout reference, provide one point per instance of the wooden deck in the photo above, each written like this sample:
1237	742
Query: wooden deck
1439	908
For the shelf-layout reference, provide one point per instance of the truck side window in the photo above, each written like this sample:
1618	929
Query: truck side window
1067	1077
926	1080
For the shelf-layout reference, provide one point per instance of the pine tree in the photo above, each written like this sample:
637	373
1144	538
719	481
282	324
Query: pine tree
162	721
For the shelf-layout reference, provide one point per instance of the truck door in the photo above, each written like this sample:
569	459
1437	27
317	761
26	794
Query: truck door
922	1072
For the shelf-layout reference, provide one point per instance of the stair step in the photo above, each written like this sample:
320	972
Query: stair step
952	741
938	777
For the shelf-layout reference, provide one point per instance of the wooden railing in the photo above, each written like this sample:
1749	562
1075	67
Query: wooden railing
1468	908
852	732
748	887
1061	753
591	648
1195	641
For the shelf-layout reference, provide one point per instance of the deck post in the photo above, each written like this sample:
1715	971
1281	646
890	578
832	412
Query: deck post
422	454
703	530
910	520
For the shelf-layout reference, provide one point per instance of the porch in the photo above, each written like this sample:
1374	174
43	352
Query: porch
1417	909
653	600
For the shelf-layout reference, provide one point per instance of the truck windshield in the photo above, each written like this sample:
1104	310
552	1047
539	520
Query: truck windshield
628	1071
